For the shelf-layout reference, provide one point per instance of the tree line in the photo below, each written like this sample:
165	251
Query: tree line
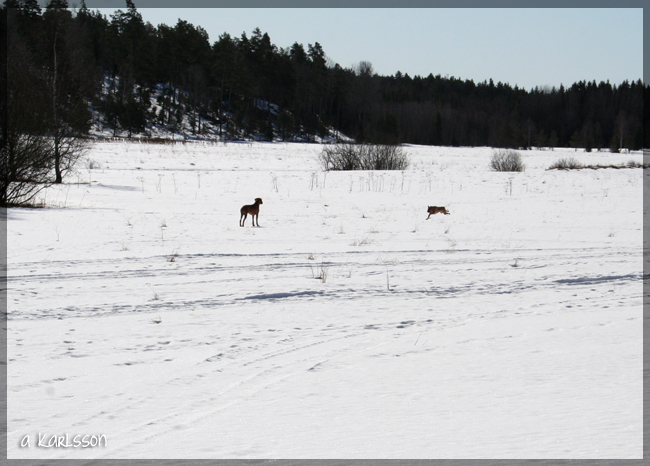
68	69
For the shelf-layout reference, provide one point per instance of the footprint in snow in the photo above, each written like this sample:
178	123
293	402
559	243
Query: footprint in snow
406	323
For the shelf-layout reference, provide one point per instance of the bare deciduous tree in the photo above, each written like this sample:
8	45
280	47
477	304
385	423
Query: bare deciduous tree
26	157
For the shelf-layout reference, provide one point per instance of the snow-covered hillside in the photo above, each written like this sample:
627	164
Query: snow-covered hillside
190	126
345	326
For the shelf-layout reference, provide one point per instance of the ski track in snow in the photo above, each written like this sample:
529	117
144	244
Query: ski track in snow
196	272
141	311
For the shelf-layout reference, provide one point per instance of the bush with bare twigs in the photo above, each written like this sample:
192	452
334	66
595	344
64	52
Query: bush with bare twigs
349	156
566	164
507	161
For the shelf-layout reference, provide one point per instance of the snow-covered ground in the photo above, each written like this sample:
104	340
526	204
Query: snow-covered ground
346	326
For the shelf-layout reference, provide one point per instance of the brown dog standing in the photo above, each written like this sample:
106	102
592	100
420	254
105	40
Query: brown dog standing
253	209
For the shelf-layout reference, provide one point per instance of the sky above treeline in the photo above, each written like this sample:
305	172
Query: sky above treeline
526	47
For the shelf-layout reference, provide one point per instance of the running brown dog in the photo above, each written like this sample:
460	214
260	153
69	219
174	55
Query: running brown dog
435	210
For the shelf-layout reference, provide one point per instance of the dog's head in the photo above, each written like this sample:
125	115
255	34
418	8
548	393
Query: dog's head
258	200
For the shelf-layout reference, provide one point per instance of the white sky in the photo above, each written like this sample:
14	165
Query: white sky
527	47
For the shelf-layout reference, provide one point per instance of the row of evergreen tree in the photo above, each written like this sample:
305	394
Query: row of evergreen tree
79	61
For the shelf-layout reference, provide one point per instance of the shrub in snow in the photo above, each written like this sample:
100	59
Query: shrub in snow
348	156
566	164
507	161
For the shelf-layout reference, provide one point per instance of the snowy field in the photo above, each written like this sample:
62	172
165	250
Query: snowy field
346	326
